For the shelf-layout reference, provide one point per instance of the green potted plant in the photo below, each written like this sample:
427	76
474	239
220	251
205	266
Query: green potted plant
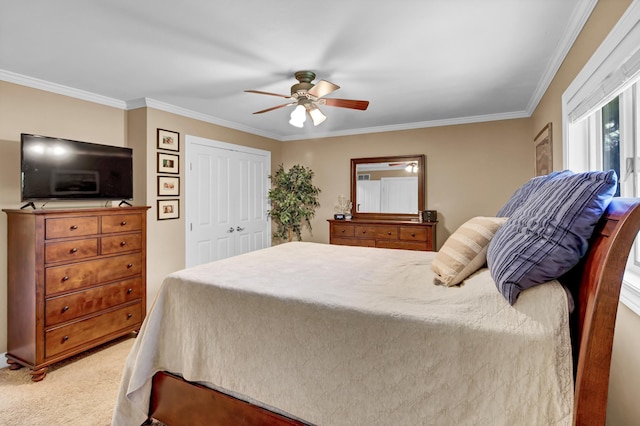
293	201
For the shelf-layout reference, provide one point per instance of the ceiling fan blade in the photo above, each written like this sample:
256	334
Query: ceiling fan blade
322	88
345	103
267	93
275	107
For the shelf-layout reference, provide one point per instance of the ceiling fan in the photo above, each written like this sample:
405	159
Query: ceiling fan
307	96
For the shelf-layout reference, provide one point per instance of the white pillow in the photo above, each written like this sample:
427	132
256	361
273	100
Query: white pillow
465	251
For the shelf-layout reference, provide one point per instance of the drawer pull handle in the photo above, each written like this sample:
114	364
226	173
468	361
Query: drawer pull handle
65	309
129	265
74	226
342	231
65	338
123	243
73	250
413	234
364	232
389	233
123	223
129	291
129	316
65	278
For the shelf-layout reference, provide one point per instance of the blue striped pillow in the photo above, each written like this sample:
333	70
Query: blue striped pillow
523	193
545	237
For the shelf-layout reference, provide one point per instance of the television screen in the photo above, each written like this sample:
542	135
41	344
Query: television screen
63	169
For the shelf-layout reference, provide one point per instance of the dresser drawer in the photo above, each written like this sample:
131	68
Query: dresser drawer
66	308
71	227
377	232
121	223
67	337
413	234
121	243
403	245
84	274
361	242
70	250
342	230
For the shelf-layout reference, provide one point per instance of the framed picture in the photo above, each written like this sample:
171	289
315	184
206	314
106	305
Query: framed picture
543	151
168	140
168	163
168	185
168	209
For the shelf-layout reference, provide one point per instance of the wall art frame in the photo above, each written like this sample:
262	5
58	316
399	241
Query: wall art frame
543	149
168	140
168	186
168	209
168	163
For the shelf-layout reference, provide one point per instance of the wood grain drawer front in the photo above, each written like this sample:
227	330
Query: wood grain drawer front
413	234
71	227
77	275
345	230
404	245
360	242
377	232
66	308
121	223
71	250
61	339
121	243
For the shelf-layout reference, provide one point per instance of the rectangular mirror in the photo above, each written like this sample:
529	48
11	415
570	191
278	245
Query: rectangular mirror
388	187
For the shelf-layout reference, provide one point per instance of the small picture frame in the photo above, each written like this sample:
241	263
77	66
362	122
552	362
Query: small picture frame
168	209
168	163
168	140
168	185
543	151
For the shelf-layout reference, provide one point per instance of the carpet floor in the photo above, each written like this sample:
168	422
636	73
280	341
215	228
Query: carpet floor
81	390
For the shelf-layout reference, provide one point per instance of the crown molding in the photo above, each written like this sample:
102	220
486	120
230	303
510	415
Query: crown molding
163	106
579	18
413	126
60	89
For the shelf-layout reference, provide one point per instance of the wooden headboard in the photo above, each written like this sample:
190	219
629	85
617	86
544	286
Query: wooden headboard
597	292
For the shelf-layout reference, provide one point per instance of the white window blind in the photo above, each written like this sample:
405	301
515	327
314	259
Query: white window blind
615	65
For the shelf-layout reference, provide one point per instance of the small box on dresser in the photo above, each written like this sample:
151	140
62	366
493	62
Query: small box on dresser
396	234
76	279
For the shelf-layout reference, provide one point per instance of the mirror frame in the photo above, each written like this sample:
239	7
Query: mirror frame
420	159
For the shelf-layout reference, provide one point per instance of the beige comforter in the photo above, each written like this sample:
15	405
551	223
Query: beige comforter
341	335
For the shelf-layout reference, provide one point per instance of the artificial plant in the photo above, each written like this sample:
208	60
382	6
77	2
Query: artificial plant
293	201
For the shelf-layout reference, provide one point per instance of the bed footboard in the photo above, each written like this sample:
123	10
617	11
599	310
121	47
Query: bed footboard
175	401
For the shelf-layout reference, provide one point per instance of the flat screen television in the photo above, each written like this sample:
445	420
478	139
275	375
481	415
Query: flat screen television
63	169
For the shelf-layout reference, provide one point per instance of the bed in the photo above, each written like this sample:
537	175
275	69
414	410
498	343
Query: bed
306	333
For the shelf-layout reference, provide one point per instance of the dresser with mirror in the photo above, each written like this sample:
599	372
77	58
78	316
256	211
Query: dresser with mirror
387	195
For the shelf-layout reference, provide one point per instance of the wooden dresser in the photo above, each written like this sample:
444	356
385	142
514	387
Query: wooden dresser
406	235
76	279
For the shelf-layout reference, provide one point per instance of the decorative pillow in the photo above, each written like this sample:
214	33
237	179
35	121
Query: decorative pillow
547	236
465	251
525	191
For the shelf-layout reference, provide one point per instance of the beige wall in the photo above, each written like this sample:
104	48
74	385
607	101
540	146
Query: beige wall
481	164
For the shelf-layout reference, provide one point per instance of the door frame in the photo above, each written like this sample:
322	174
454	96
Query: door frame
190	140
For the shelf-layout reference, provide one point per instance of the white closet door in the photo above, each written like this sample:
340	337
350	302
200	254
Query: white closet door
226	200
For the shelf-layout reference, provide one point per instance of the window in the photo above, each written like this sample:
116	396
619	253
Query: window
601	121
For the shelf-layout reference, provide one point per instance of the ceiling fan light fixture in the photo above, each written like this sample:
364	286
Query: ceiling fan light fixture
412	168
298	116
316	115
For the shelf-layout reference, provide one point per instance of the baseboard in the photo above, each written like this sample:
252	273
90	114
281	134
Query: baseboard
3	360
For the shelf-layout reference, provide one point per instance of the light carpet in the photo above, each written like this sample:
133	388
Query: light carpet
81	390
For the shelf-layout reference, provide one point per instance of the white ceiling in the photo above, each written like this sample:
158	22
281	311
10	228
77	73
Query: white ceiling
419	62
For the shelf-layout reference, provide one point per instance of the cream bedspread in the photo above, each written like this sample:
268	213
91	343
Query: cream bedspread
341	335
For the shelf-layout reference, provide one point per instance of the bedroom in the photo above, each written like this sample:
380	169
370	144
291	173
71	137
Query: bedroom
503	148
